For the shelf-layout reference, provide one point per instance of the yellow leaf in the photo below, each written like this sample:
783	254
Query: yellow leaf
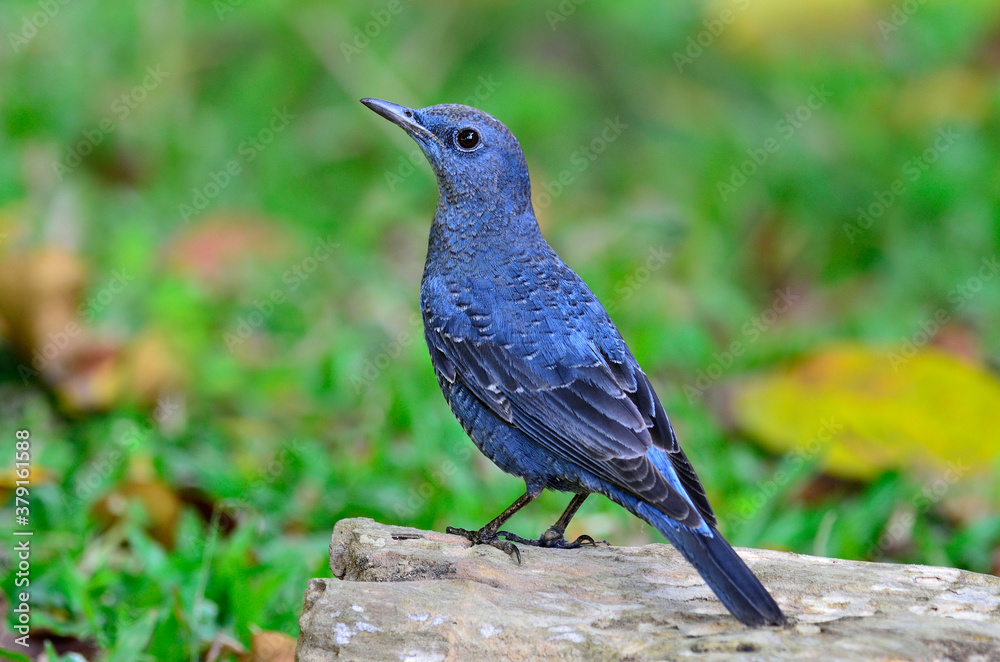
765	25
948	95
863	410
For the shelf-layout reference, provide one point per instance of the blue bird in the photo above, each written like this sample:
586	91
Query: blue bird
535	370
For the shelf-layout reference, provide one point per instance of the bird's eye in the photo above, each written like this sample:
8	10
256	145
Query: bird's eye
467	138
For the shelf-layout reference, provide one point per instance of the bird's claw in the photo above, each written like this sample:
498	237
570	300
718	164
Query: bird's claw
482	537
586	540
553	538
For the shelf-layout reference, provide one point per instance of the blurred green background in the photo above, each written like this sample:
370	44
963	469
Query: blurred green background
210	257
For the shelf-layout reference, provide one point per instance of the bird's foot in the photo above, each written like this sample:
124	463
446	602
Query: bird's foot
484	537
553	538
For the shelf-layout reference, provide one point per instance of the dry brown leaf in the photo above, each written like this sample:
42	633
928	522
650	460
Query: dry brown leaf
215	250
158	500
270	646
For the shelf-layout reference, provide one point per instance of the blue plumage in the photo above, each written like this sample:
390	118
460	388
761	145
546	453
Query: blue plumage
533	367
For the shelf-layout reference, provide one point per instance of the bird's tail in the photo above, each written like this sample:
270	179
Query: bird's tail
722	569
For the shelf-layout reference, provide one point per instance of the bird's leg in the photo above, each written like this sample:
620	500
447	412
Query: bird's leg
553	536
488	534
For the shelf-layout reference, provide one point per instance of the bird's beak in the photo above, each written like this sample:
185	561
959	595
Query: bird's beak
405	118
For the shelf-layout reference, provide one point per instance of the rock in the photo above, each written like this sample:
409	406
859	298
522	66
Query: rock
403	594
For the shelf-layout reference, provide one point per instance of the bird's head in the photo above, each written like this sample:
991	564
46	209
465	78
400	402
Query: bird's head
475	157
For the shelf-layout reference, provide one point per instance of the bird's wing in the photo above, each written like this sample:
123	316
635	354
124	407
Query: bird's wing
590	407
665	439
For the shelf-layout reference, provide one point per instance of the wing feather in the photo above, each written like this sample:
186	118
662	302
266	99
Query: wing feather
599	416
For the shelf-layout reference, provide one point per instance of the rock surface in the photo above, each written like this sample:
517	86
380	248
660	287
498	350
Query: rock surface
403	594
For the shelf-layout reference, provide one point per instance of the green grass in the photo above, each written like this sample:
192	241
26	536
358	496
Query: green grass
329	408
